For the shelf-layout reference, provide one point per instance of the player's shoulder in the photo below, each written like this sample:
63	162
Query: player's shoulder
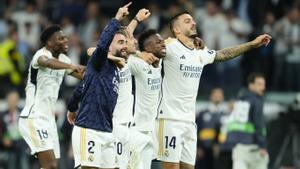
207	50
43	51
170	41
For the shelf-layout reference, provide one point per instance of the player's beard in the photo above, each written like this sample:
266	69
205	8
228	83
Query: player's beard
121	53
193	34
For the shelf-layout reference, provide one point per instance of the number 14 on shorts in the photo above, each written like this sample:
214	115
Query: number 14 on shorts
170	142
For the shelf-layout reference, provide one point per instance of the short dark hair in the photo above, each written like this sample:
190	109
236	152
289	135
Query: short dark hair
174	18
251	78
48	32
122	31
144	36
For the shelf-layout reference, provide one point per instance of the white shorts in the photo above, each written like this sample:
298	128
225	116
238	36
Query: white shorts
177	141
93	148
248	157
141	148
121	134
40	134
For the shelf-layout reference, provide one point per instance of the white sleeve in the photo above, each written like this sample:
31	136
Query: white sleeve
208	56
134	64
34	62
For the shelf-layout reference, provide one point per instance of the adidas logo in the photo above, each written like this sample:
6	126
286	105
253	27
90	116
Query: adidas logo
149	72
182	57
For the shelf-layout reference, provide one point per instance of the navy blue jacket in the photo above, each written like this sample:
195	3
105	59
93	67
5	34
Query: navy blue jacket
100	86
74	100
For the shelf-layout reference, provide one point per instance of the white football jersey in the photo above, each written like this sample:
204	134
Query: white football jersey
147	90
123	112
43	86
182	69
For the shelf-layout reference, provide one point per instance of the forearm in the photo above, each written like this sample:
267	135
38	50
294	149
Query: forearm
131	27
55	64
73	102
104	42
233	52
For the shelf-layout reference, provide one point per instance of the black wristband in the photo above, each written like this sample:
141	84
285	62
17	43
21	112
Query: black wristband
135	18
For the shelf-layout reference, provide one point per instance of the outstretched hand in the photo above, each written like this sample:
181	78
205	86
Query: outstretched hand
261	40
123	12
143	14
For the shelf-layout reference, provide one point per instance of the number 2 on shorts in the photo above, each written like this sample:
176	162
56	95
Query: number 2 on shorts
91	145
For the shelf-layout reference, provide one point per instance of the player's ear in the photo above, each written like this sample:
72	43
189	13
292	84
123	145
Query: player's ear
176	30
49	43
147	48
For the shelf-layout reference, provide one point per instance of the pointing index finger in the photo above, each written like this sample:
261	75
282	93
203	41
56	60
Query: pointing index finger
127	5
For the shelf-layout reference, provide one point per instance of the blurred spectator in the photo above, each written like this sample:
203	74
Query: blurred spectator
207	122
12	140
12	63
3	28
28	22
267	53
269	23
90	24
235	32
224	154
70	8
221	30
4	156
172	10
287	50
153	22
247	126
67	26
251	11
209	22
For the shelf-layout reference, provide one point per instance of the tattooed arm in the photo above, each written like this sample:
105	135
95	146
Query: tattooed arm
235	51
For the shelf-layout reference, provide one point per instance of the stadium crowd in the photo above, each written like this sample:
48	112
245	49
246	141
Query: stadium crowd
221	23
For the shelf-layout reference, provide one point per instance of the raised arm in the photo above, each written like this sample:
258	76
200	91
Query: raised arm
235	51
140	16
100	53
